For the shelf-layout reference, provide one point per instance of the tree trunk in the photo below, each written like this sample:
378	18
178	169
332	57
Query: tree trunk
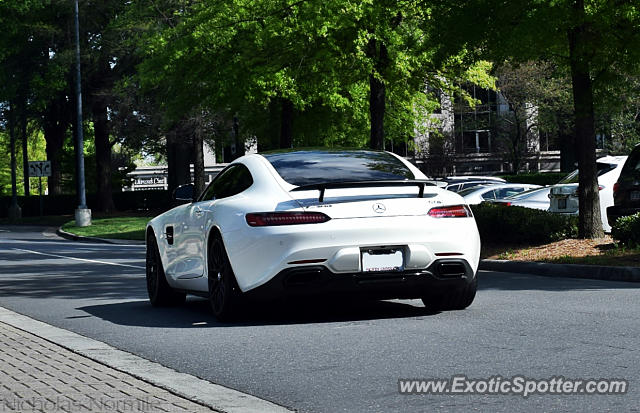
25	148
376	110
589	221
567	152
12	156
240	150
178	152
286	124
377	93
517	159
103	154
198	162
55	127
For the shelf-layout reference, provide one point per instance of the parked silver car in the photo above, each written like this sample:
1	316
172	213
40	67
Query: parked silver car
478	194
458	183
537	198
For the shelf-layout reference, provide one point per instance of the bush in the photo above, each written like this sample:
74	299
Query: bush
546	178
627	230
66	204
519	225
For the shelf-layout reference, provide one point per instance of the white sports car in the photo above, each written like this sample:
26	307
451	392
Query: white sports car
315	222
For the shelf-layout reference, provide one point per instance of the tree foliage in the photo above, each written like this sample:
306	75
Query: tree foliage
590	38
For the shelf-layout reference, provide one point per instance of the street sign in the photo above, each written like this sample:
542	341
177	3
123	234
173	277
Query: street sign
40	168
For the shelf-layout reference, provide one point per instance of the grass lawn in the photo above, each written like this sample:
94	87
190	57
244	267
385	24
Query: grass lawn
114	228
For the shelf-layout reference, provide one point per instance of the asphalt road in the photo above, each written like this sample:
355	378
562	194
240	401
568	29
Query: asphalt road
329	357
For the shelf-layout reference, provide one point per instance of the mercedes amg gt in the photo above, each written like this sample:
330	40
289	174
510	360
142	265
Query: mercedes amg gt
315	222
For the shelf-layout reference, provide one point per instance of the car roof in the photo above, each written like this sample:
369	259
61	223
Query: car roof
472	178
507	184
612	159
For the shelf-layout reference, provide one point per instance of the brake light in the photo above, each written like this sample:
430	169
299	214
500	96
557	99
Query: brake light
616	188
267	219
456	211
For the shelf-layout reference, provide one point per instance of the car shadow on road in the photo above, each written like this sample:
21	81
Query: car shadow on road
196	313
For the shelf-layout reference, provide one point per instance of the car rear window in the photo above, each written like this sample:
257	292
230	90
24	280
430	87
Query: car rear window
467	191
631	168
314	167
531	193
574	176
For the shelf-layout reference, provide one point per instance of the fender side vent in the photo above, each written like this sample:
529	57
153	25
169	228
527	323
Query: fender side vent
169	235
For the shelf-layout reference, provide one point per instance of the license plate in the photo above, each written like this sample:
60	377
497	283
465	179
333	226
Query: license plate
382	260
634	195
562	203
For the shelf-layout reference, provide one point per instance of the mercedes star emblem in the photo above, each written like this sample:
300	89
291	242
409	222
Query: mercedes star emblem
379	208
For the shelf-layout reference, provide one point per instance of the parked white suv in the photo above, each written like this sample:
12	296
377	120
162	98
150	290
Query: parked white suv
564	195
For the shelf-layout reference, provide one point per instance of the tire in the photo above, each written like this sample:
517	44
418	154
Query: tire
160	293
224	294
454	300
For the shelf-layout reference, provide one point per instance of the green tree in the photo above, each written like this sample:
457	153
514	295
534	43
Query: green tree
275	61
34	70
536	93
590	38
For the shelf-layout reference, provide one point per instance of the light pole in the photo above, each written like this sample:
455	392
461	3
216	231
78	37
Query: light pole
83	214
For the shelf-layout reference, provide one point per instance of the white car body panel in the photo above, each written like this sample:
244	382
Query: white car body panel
258	254
535	199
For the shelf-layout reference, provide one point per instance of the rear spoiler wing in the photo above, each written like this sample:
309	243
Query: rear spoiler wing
363	184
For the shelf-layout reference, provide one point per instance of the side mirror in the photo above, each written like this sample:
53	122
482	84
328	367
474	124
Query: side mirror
183	193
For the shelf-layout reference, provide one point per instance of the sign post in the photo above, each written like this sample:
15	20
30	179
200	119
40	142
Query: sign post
40	169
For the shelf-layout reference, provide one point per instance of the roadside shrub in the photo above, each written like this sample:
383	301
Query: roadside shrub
540	178
502	224
627	230
66	204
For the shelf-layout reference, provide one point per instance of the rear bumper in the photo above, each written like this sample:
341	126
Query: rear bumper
442	276
617	211
257	255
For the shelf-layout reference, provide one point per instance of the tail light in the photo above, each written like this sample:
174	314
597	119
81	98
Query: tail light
600	187
267	219
616	188
456	211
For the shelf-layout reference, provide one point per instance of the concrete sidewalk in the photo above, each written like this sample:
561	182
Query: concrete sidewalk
40	376
46	368
41	368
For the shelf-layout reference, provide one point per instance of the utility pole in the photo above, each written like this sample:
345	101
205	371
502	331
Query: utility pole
83	214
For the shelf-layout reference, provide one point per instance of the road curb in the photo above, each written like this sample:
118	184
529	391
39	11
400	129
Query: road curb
214	396
591	272
73	237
